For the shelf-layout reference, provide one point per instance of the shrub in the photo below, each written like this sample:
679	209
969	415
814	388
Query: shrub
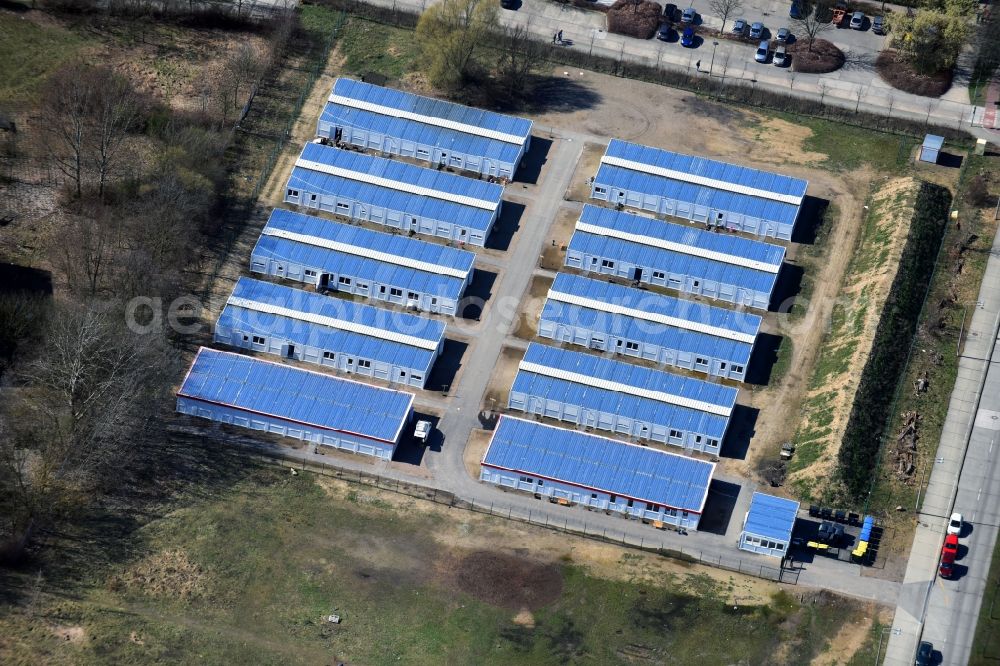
824	57
635	18
857	460
977	192
901	75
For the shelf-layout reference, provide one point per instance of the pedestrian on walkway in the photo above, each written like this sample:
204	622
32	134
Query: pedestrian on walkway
697	65
559	35
554	36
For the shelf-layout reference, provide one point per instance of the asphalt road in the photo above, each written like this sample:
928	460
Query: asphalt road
966	475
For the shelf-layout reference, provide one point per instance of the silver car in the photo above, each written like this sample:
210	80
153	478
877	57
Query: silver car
756	30
858	20
780	56
762	51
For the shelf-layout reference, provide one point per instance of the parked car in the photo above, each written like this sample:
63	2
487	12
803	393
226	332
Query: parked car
422	432
670	12
508	4
946	569
687	37
762	51
689	15
795	11
949	551
955	524
780	56
784	34
878	25
740	27
924	654
663	34
756	30
858	20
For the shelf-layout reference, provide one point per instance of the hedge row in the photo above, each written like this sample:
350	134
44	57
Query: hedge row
721	89
858	460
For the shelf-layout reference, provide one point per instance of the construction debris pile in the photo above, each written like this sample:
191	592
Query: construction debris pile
906	446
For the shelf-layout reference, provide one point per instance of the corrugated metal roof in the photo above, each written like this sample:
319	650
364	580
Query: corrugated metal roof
709	172
714	246
672	262
597	463
433	111
679	313
305	240
442	206
600	317
307	397
771	517
636	380
696	195
332	324
390	248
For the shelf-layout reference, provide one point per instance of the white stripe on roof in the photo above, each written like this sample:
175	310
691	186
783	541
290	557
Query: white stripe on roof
701	180
369	253
659	396
427	120
332	322
678	247
394	184
610	308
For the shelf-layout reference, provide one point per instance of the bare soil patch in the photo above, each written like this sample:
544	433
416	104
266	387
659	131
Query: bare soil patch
531	307
586	168
635	18
822	58
554	252
507	581
503	376
70	634
474	451
900	75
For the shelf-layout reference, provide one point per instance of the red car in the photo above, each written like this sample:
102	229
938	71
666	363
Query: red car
950	549
947	569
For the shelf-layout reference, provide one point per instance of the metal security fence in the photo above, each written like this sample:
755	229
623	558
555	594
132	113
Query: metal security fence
570	525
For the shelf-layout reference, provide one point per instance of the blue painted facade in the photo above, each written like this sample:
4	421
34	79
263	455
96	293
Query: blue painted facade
389	353
768	526
674	269
680	197
352	120
566	465
598	399
286	401
607	329
307	257
437	214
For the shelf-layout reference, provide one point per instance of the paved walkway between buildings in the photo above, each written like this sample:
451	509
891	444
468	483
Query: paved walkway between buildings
944	612
991	117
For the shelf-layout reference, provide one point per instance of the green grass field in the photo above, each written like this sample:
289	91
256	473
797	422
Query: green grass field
247	575
31	51
381	49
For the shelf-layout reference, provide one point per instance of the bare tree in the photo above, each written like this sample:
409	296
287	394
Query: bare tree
519	55
859	94
66	105
813	23
245	65
724	9
71	427
114	114
86	246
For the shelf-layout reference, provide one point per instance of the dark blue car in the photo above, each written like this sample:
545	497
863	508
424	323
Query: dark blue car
687	37
796	11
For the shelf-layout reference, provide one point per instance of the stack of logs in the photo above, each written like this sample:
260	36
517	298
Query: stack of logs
906	445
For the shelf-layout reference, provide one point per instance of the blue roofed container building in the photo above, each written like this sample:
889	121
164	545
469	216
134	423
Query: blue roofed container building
699	189
349	337
636	323
394	194
768	525
629	400
378	266
290	402
606	474
441	133
693	261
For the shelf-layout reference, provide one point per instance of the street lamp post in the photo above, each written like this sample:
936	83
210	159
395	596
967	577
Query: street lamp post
711	66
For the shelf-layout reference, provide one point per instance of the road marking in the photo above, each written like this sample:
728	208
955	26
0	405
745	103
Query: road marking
979	494
988	418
